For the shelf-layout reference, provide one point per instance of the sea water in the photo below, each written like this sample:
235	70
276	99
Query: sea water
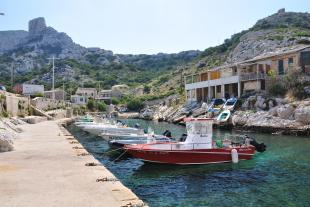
278	177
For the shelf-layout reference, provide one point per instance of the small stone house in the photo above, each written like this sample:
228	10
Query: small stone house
87	92
59	94
119	91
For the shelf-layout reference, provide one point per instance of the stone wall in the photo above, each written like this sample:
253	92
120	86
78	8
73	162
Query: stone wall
46	104
16	105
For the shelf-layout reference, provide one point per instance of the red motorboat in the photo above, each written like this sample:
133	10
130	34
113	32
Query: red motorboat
197	148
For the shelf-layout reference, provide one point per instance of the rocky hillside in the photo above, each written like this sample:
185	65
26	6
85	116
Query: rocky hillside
28	52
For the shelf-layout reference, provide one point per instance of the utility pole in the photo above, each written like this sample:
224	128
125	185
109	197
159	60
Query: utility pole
12	75
53	78
99	88
63	88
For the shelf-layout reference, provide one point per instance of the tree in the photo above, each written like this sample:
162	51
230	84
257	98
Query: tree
101	106
135	104
91	104
115	101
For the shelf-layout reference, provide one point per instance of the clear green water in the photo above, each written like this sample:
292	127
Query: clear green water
278	177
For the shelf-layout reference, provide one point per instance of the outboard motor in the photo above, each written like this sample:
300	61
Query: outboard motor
167	133
119	121
137	126
259	147
183	137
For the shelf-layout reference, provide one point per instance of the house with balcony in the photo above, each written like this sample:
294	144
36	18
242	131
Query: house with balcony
105	95
238	78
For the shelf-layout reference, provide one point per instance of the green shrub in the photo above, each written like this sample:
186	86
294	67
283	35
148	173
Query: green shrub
101	106
135	104
115	101
91	105
277	89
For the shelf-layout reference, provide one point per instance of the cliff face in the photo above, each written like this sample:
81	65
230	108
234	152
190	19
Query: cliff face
40	39
10	40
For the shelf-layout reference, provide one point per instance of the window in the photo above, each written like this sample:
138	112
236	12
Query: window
290	61
280	67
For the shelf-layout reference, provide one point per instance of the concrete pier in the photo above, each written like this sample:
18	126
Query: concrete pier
48	168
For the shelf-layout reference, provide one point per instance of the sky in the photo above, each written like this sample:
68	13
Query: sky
145	26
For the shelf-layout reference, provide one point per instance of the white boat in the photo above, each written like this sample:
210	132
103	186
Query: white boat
121	139
230	104
85	120
100	128
144	140
223	116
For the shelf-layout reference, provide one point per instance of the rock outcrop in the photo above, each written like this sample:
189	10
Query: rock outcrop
291	118
302	113
36	26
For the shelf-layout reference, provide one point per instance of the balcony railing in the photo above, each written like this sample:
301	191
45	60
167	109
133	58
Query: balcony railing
252	76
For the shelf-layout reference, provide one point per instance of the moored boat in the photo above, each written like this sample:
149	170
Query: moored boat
121	139
198	147
216	105
223	116
230	104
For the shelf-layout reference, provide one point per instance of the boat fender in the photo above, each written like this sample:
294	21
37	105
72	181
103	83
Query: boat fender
234	156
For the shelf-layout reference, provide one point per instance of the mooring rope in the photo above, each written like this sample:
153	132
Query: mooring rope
120	156
113	150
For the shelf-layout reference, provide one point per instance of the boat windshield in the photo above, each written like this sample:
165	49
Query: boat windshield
230	103
199	127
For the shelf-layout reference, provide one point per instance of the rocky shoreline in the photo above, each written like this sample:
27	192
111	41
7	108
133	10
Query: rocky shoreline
257	113
8	133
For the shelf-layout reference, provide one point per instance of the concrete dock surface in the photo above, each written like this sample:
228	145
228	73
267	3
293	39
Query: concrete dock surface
47	168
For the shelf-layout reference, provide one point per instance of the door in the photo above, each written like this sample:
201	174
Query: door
280	67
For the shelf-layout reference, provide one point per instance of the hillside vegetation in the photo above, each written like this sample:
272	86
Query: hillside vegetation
160	74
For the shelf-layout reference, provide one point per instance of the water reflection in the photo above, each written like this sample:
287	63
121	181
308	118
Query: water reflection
277	177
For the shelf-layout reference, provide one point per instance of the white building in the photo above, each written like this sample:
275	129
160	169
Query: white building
78	100
240	78
31	89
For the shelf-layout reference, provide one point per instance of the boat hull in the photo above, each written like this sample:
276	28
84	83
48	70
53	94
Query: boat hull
186	157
